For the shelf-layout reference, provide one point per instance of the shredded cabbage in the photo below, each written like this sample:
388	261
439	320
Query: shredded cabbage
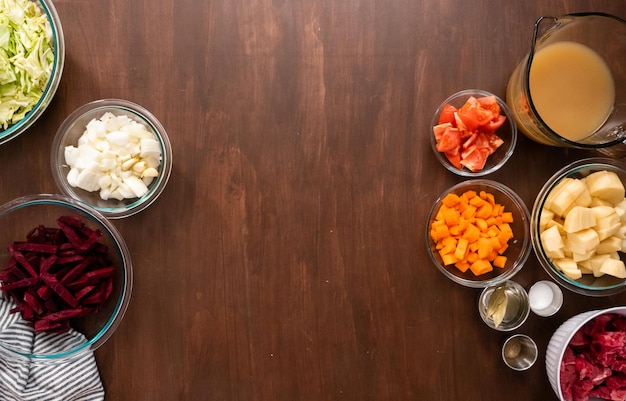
26	58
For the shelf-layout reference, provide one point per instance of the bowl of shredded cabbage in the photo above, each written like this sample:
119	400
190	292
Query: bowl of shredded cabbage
31	62
113	155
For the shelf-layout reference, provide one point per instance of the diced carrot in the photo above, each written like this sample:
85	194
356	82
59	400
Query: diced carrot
469	212
482	224
488	197
493	232
495	243
461	248
471	231
484	212
500	261
484	248
469	194
451	200
480	266
462	266
503	249
477	201
442	231
451	216
454	230
448	245
507	217
448	259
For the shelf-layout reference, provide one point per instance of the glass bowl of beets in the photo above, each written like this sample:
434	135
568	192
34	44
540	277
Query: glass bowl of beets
65	278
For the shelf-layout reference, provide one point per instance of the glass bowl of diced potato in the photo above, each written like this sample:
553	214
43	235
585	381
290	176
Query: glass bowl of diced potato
578	226
477	233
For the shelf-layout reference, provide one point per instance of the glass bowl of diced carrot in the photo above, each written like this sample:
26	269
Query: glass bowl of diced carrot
473	133
478	233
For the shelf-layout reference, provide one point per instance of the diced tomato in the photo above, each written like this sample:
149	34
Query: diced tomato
474	158
490	103
494	124
482	142
470	118
474	115
454	158
450	140
494	141
467	135
439	129
447	114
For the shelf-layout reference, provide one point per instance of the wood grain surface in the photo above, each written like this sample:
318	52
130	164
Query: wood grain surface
286	259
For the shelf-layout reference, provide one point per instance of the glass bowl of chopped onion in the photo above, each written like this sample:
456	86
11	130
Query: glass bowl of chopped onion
578	224
477	233
473	133
34	53
65	279
113	155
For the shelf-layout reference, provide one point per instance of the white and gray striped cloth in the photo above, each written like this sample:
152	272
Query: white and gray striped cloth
22	380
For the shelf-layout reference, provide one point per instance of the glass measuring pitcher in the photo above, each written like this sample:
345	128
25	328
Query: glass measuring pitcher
570	89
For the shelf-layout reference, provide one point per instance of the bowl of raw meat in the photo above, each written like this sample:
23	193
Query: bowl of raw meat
586	356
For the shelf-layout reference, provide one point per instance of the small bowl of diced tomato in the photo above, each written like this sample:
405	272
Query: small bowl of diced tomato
478	233
473	133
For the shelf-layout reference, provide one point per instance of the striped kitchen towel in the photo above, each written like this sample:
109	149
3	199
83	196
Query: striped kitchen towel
22	380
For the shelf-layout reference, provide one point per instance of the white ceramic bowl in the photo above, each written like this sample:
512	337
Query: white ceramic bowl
561	339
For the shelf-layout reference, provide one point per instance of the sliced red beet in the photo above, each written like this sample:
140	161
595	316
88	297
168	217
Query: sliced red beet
23	283
21	259
64	314
35	247
81	293
58	274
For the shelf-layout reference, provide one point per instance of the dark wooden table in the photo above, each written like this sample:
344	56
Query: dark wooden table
286	259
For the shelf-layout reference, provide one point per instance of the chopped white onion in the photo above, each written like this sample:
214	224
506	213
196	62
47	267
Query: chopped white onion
115	155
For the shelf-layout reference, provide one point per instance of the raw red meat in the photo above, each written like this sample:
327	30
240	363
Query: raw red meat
594	362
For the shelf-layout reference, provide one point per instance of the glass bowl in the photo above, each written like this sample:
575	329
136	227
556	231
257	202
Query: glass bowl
518	247
588	284
48	92
507	132
73	128
17	219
